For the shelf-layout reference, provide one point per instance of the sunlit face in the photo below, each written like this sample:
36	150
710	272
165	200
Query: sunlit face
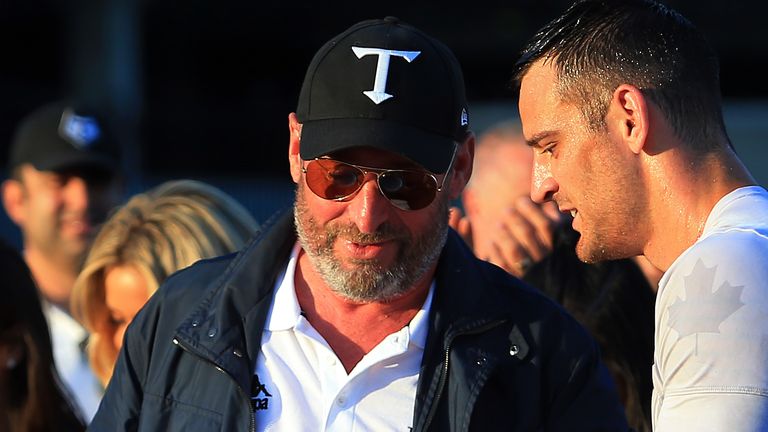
125	292
588	174
365	248
60	210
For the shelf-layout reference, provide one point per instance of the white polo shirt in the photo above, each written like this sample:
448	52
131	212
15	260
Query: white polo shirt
301	385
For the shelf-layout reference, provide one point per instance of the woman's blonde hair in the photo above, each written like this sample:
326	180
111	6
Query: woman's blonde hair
157	232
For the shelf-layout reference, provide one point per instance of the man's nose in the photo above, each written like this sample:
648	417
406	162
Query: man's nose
369	208
543	185
76	193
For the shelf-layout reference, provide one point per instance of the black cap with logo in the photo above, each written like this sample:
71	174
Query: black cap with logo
385	84
62	136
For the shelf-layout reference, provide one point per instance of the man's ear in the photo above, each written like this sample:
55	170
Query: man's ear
628	116
13	200
462	166
294	145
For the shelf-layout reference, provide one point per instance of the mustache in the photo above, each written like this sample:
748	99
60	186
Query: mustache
350	232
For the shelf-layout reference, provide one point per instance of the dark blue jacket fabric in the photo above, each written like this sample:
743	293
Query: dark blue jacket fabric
499	355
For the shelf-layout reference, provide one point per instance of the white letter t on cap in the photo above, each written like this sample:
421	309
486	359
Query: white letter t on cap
379	94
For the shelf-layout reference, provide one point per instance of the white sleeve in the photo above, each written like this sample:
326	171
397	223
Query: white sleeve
710	367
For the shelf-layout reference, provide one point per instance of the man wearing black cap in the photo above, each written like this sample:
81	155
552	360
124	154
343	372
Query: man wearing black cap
361	310
62	184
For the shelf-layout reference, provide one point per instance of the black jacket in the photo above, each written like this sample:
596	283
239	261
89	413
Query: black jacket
499	355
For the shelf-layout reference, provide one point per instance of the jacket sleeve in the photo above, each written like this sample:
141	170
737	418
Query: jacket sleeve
588	401
121	405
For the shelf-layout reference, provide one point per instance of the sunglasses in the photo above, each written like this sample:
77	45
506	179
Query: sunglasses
405	189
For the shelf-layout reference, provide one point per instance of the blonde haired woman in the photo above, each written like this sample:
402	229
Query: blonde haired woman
153	235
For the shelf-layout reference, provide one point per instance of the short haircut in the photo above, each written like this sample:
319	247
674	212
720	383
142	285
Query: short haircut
597	45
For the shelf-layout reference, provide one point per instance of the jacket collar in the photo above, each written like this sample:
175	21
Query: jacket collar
226	326
463	299
472	296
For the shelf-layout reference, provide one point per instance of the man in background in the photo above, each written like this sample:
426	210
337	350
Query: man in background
503	225
62	183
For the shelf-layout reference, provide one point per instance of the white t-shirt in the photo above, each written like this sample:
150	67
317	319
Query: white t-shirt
67	337
301	385
710	369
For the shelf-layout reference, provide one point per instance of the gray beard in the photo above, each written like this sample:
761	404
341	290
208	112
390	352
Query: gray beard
368	281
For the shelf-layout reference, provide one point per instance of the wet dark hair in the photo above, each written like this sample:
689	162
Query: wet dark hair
35	397
597	45
614	301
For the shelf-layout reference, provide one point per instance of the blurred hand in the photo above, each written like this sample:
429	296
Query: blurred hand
523	236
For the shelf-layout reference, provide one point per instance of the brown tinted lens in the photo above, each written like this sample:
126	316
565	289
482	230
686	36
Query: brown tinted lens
330	179
408	190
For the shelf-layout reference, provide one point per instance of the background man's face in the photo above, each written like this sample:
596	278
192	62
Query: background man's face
59	211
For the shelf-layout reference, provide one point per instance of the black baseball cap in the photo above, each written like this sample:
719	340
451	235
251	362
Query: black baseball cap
385	84
61	136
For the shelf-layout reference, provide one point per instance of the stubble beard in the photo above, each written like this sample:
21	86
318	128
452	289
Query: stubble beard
590	253
610	227
366	280
608	244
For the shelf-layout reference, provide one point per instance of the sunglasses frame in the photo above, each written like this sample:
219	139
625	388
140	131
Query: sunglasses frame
379	172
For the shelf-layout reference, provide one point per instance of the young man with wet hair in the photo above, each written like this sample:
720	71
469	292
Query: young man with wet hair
621	105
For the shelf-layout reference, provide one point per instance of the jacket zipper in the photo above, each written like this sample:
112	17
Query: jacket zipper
251	421
444	374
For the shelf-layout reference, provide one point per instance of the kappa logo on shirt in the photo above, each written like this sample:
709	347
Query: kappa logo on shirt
259	403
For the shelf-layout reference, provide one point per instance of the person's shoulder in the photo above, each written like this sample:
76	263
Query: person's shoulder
178	296
550	326
506	285
477	288
745	210
737	257
521	301
735	246
259	258
198	276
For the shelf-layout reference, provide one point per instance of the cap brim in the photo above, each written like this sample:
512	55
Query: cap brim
56	162
321	137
